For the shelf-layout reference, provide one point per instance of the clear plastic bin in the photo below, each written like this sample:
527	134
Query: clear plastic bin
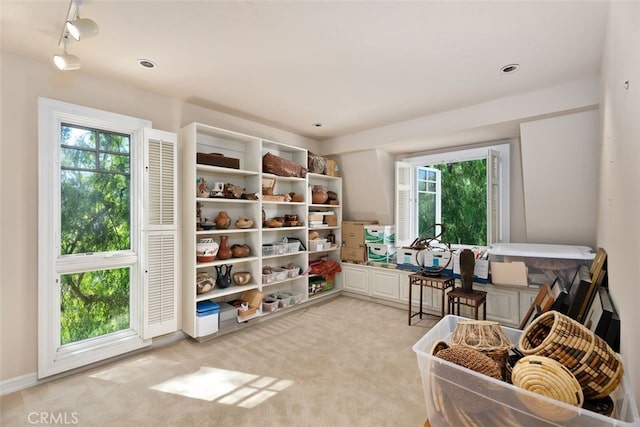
292	272
269	305
281	274
268	278
454	394
268	250
280	248
296	299
292	247
284	299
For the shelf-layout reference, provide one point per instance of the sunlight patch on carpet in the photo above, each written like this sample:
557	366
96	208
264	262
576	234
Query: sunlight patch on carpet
224	386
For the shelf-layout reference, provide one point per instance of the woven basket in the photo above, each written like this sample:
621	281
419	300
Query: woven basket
486	337
595	365
545	376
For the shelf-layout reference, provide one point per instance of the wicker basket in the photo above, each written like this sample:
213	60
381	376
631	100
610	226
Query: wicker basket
595	365
486	337
545	376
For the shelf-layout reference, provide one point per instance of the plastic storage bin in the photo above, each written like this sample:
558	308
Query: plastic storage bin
206	318
292	247
268	250
535	264
454	395
296	299
284	299
269	305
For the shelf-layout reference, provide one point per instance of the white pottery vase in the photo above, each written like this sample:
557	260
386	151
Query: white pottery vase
206	250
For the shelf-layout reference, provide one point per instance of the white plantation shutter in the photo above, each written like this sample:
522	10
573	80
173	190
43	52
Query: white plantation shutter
404	204
160	292
494	227
160	257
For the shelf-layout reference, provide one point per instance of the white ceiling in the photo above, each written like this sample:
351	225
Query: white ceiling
351	66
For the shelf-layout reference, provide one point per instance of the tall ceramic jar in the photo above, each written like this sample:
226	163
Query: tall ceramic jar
319	195
224	252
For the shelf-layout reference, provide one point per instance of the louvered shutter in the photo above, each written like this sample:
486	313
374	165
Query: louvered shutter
160	255
494	163
404	205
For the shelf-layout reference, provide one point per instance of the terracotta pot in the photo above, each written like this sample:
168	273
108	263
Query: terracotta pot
224	252
319	195
244	222
222	221
242	277
240	251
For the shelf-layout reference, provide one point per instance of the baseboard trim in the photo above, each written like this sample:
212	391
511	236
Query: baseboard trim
18	383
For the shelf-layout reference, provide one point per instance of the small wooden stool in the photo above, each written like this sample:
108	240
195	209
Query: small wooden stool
473	299
436	282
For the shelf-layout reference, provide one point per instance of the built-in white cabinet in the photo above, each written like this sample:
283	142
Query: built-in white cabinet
505	304
279	249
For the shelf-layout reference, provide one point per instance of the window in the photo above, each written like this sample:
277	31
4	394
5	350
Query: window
463	190
100	279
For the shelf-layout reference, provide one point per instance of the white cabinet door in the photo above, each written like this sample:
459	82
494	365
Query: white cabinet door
503	305
355	279
384	283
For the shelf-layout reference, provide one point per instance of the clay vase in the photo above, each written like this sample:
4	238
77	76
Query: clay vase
224	251
223	276
319	195
222	221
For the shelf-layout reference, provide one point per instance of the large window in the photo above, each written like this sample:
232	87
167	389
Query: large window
461	197
90	247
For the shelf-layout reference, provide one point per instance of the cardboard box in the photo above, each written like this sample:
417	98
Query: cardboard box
353	232
480	269
509	273
332	168
358	254
379	234
331	220
381	253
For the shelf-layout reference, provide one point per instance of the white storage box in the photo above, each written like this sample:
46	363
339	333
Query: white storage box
539	263
207	314
457	396
379	234
380	253
480	269
318	245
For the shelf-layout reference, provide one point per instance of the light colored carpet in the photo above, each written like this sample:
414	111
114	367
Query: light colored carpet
346	362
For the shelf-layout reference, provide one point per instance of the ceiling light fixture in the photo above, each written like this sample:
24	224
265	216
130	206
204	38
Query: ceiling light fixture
77	28
66	61
511	68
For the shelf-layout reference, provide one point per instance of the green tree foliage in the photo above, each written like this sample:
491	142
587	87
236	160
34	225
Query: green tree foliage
95	217
464	202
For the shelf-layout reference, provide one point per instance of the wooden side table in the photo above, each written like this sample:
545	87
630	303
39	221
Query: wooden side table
441	283
474	299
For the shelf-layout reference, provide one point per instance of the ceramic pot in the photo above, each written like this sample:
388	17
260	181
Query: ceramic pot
242	277
224	251
222	221
204	282
223	275
206	250
244	222
319	195
240	251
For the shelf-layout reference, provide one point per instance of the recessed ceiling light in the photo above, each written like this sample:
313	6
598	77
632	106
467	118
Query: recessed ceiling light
146	63
511	68
317	125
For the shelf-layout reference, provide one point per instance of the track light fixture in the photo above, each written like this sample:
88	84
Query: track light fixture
78	28
66	61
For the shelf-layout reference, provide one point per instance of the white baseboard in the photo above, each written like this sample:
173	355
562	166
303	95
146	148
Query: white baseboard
18	383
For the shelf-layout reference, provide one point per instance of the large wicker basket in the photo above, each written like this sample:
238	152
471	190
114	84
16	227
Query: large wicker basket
486	337
595	365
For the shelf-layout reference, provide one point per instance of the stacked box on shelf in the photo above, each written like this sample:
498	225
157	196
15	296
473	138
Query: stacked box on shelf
379	241
206	318
353	244
228	315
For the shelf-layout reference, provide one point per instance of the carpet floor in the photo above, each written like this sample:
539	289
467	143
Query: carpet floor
344	362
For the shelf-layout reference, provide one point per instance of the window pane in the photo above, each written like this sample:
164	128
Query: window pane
113	142
95	198
464	202
93	303
422	186
426	213
77	137
431	175
422	174
432	187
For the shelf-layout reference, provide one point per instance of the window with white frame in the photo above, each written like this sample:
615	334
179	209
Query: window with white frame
460	196
95	279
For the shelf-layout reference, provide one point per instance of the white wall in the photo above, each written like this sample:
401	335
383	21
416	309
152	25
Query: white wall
619	199
23	81
560	164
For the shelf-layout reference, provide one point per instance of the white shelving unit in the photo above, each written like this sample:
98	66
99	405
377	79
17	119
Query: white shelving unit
198	138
